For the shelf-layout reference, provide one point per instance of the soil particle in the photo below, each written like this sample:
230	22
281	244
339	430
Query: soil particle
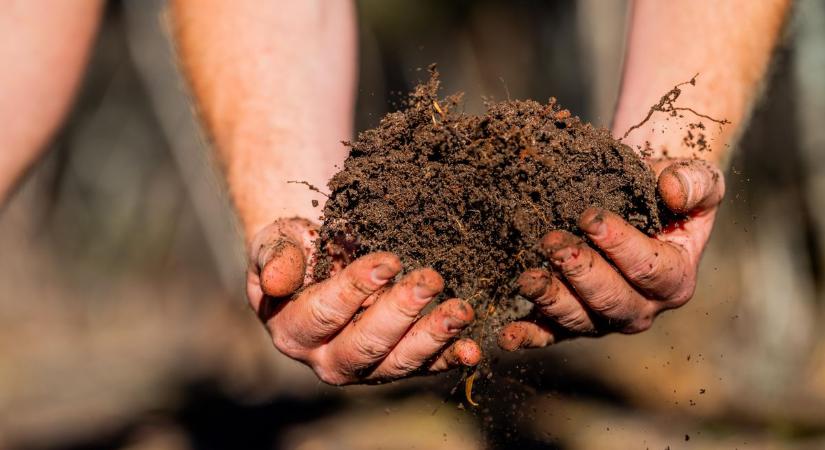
471	196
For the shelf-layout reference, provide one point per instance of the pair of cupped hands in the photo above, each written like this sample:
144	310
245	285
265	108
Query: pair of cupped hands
362	325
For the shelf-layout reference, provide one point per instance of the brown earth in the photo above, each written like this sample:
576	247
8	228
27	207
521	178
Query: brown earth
471	196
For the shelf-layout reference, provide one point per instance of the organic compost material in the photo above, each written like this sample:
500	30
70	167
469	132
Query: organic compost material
471	196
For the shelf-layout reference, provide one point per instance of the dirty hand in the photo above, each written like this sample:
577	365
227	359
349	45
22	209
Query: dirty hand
590	295
359	325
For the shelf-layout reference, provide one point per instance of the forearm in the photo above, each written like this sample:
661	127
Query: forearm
274	82
45	46
727	43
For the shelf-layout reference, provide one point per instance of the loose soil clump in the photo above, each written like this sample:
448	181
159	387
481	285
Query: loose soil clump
471	196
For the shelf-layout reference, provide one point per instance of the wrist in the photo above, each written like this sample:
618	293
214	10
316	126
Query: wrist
269	176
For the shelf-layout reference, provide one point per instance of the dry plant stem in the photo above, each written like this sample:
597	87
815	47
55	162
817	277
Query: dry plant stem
666	105
310	186
730	47
468	388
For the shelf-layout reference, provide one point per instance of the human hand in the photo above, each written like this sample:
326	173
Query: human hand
589	295
359	325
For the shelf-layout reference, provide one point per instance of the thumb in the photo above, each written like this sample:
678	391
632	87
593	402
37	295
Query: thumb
279	256
691	186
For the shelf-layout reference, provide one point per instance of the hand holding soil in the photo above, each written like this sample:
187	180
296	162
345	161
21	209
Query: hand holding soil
625	278
474	198
323	325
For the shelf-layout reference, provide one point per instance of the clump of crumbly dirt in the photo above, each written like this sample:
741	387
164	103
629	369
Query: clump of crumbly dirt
471	196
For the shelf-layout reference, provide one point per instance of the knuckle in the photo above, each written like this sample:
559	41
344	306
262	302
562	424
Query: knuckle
683	295
398	365
329	369
645	271
325	317
575	321
331	377
368	347
609	302
639	324
287	345
357	287
407	308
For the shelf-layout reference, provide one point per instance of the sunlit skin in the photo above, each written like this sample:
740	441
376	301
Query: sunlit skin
641	276
274	84
45	46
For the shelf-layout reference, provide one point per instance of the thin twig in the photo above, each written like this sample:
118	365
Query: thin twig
310	186
665	104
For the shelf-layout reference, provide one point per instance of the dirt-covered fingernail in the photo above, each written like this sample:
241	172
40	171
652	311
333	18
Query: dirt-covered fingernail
427	283
276	248
452	323
511	338
564	254
592	221
556	240
383	273
423	292
687	187
676	187
282	267
460	309
533	283
468	352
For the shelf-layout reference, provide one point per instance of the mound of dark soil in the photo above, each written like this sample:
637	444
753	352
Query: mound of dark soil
471	196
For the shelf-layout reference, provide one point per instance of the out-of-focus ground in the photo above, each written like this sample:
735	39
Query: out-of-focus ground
122	322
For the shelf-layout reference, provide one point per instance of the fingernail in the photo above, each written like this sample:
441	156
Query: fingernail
554	241
268	250
423	293
594	222
454	324
383	273
687	187
509	340
467	352
561	255
282	272
532	284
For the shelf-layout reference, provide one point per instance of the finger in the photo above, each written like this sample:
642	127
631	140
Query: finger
656	267
425	339
364	342
463	353
278	258
596	282
554	300
691	186
325	308
523	334
283	269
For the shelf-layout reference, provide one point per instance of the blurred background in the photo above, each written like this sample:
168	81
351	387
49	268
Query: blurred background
122	319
